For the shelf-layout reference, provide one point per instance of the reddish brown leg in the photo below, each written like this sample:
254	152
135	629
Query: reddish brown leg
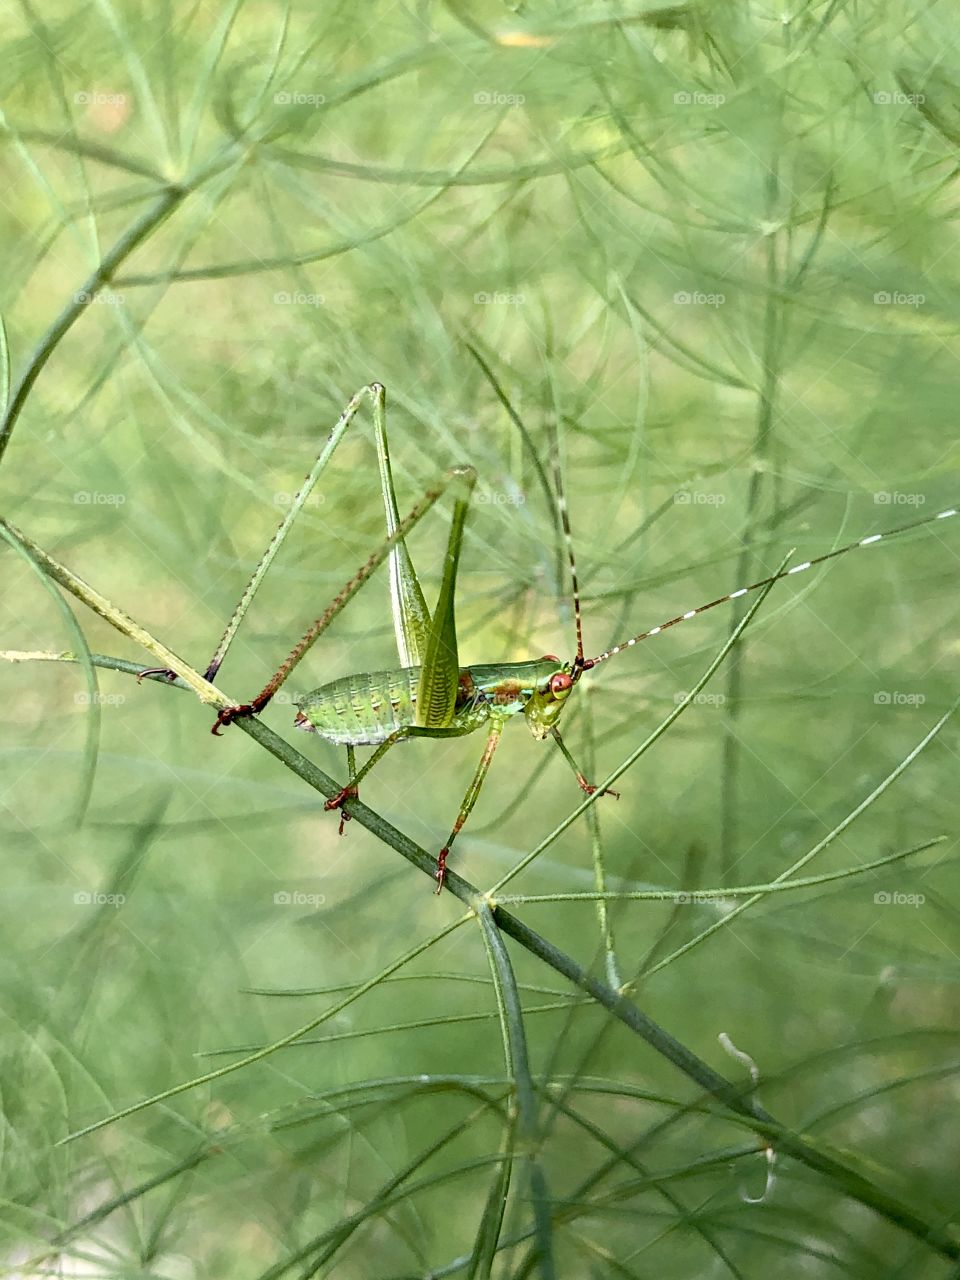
349	792
227	715
590	787
337	802
441	871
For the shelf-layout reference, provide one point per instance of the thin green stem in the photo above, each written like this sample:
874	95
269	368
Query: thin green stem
205	691
601	897
145	225
730	757
72	145
334	1239
844	1176
4	367
848	1179
709	895
412	1024
85	659
290	1038
817	849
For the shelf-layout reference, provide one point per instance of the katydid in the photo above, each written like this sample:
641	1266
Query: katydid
429	694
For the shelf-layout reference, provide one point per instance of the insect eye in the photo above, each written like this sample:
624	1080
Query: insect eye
560	683
549	657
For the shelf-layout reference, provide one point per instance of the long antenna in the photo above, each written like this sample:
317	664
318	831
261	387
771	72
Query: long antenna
579	663
586	664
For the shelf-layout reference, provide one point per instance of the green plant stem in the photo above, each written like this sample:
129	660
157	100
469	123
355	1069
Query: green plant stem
205	691
144	227
518	1065
817	849
684	897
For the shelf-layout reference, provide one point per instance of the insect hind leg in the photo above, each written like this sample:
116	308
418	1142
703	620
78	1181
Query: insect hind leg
350	792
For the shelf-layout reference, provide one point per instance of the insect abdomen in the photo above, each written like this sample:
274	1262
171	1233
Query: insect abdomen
361	710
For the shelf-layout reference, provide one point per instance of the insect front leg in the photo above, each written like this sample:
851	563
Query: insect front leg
583	784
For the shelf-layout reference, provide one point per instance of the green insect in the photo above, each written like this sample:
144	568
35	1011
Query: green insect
429	694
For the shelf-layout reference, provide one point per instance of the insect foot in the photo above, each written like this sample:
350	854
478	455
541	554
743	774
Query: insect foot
337	801
441	871
227	715
591	789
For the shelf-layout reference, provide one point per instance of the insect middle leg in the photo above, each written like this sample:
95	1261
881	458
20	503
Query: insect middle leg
470	799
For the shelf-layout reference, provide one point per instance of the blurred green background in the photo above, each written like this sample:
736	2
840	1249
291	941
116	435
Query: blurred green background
714	249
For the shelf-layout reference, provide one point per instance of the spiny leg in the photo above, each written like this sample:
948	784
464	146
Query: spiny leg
470	799
374	392
584	785
457	476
